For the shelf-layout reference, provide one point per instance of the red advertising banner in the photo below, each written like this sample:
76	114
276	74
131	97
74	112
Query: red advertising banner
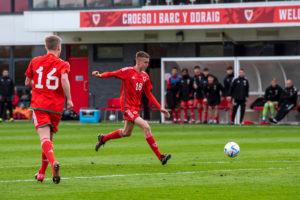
190	17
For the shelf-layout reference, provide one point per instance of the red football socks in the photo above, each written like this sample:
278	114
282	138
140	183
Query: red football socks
178	114
153	146
205	115
217	118
200	114
185	110
47	147
45	163
114	135
174	114
192	114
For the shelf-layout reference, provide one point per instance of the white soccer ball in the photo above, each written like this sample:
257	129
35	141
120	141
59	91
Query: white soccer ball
112	117
232	149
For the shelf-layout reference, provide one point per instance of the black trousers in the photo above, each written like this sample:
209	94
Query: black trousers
236	104
5	105
284	109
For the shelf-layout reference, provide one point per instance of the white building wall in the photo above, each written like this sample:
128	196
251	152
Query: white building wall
13	32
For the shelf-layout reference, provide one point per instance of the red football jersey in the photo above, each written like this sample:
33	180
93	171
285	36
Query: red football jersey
133	85
47	91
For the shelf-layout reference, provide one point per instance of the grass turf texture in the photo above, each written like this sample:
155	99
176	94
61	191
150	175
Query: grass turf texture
268	166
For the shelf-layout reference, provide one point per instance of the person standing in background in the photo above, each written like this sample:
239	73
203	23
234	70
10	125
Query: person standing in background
186	95
239	92
6	95
200	97
173	86
227	85
213	91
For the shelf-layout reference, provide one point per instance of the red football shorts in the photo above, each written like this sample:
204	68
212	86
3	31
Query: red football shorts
43	118
201	101
131	114
186	103
229	101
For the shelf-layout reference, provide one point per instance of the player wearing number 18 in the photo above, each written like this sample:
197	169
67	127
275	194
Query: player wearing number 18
48	77
134	81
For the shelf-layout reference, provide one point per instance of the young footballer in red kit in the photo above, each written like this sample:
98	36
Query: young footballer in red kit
134	81
48	77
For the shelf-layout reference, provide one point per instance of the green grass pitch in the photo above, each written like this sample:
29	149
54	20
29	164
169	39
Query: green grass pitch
268	166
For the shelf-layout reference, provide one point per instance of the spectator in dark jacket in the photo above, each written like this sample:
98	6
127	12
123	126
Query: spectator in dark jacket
287	102
187	95
239	91
6	95
272	97
227	85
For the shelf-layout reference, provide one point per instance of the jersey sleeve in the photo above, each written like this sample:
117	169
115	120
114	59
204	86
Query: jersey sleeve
147	90
120	74
29	71
65	68
169	83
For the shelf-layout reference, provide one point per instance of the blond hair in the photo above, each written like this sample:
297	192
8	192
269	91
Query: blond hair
142	54
52	42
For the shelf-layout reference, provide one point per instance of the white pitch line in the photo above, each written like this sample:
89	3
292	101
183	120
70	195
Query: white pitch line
203	162
153	174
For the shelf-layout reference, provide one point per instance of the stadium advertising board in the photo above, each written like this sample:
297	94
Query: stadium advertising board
236	16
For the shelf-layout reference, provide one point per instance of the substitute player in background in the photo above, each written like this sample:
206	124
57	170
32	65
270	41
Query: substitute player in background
134	81
187	95
213	91
48	77
172	95
227	85
200	98
287	102
272	97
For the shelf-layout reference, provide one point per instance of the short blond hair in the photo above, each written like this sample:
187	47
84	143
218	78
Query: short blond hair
52	42
142	54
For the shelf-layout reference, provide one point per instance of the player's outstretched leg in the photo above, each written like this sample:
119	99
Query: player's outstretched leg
47	147
151	141
102	139
41	174
125	132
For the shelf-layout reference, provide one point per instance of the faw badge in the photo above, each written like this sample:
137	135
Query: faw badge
96	18
248	14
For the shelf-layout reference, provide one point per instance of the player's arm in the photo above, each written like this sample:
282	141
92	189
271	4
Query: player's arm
120	74
266	94
231	89
247	89
29	76
29	82
151	98
67	90
222	89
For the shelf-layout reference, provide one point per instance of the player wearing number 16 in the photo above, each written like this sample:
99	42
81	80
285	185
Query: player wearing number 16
134	81
48	77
